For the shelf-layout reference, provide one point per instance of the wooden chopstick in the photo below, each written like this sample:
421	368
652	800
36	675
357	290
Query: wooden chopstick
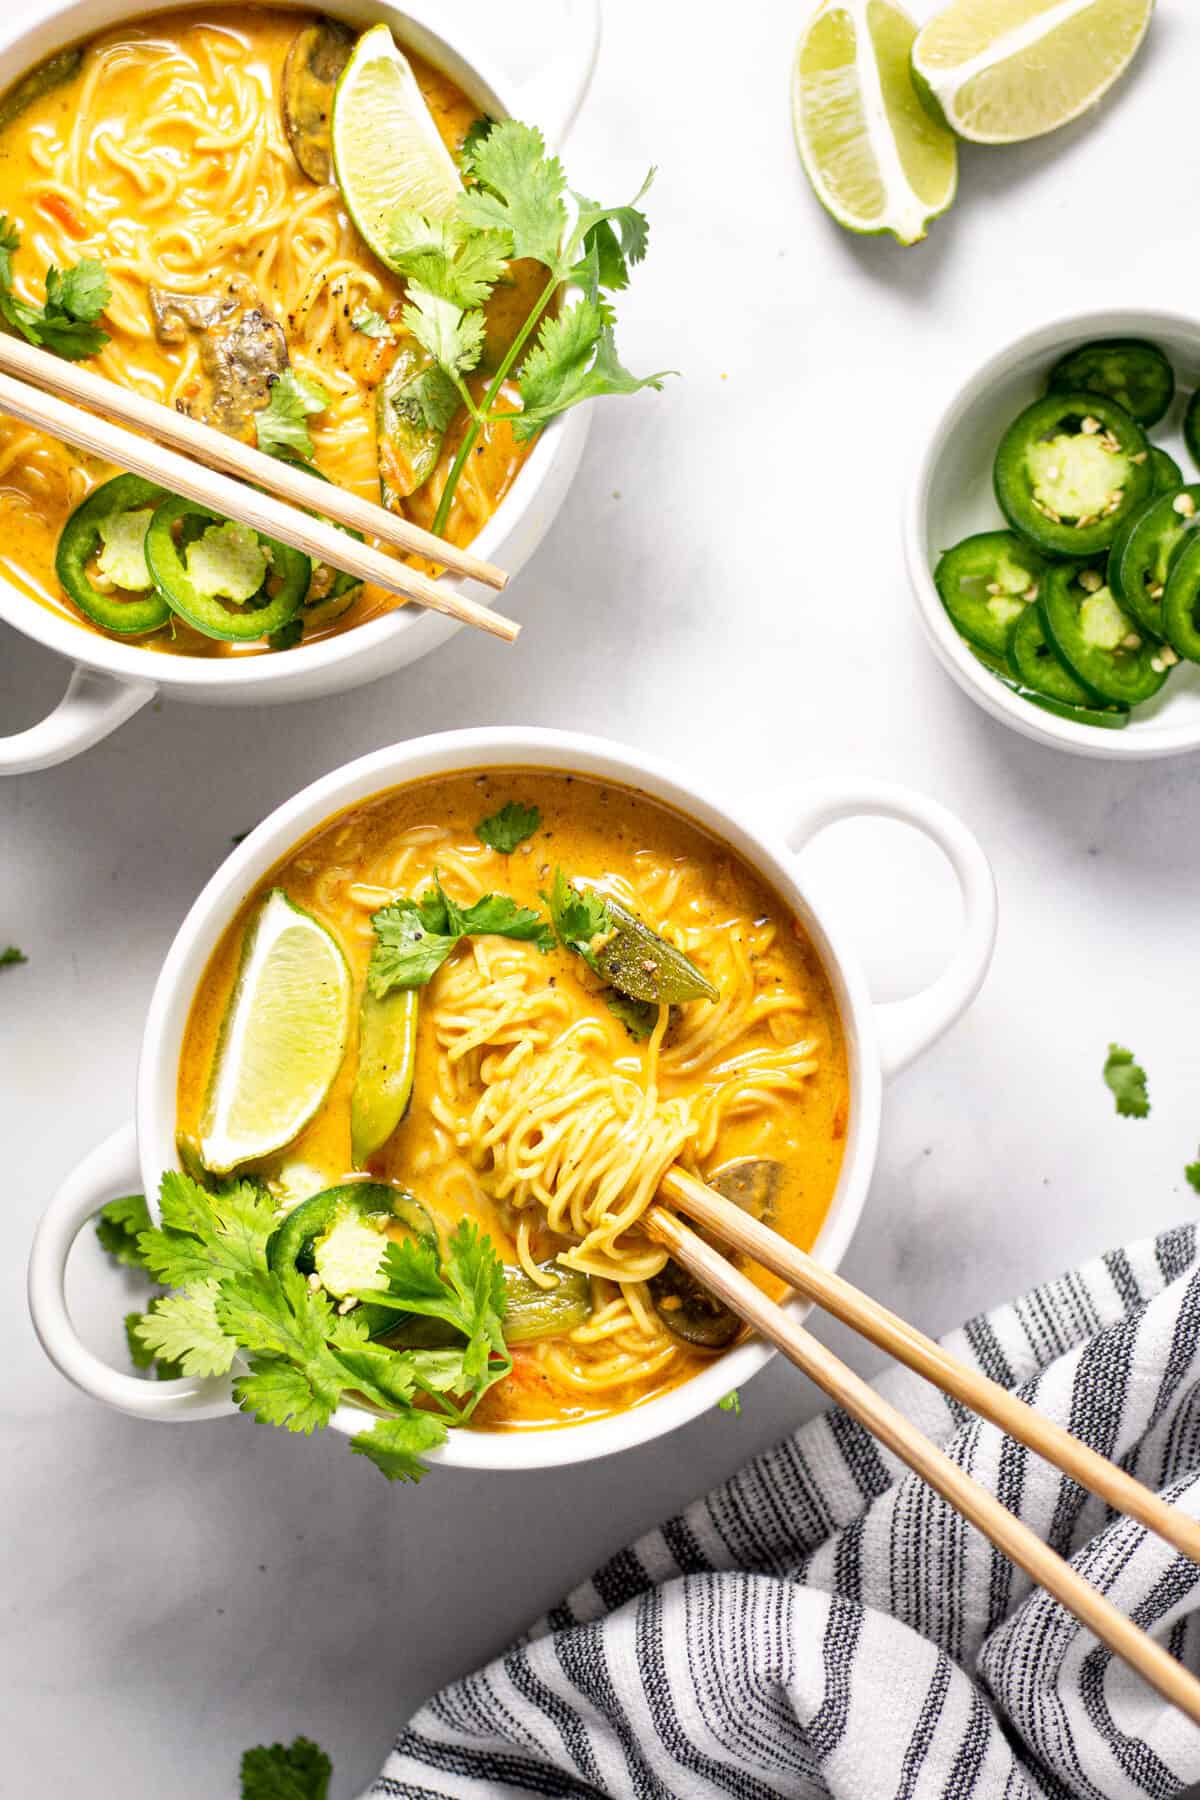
204	443
1022	1546
908	1345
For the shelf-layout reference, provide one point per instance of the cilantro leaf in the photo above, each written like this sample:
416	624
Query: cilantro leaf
370	323
617	235
276	1392
140	1354
395	1446
118	1226
11	957
639	1017
465	1289
1192	1171
1128	1083
509	827
446	257
732	1403
296	1771
283	423
453	337
521	193
415	937
205	1236
579	918
183	1328
473	136
75	299
575	358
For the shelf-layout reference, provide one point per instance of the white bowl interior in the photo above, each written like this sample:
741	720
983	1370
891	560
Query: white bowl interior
399	637
451	753
955	497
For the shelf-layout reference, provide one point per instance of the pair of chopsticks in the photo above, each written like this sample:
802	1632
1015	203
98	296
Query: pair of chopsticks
188	458
909	1346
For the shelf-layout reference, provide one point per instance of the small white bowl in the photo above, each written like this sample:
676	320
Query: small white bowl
952	497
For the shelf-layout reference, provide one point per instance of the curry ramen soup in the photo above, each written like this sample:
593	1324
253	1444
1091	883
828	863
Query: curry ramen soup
160	150
542	1107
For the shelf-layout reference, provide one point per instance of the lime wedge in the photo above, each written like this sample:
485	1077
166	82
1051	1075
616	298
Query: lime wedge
283	1038
999	71
387	151
876	158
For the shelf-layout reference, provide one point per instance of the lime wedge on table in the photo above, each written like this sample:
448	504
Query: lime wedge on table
387	151
283	1038
999	71
876	158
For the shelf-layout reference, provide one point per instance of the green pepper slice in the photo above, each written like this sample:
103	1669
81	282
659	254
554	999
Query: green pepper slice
1181	602
1098	639
1108	718
294	1244
1141	558
532	1311
387	1058
413	409
1166	471
328	584
986	583
1191	427
180	524
1131	371
1070	471
80	540
1037	665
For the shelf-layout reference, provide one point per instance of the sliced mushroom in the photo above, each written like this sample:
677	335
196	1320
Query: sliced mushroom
318	54
243	351
685	1306
753	1183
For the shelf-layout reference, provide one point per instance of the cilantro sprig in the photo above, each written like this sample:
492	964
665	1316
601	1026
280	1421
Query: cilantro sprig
517	206
281	426
75	299
296	1771
301	1356
11	957
1126	1080
506	830
415	937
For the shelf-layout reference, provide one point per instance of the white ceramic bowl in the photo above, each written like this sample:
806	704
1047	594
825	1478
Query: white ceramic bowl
112	680
880	1039
952	497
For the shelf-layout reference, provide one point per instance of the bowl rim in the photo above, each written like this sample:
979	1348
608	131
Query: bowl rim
766	850
409	629
1129	745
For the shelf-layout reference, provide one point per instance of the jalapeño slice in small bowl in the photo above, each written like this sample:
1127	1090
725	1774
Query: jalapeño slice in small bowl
1098	639
986	583
1095	712
1141	558
1130	371
1037	665
227	580
1070	471
1191	428
1166	471
101	558
1181	602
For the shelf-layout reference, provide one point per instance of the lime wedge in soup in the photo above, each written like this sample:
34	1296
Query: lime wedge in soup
387	151
999	71
282	1040
876	158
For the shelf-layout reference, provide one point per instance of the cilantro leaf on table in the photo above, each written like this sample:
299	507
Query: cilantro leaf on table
1192	1171
1127	1081
296	1771
75	299
10	957
579	917
732	1403
505	830
368	323
282	425
415	937
118	1227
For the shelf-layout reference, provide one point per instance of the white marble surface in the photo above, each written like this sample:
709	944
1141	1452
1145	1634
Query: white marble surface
724	587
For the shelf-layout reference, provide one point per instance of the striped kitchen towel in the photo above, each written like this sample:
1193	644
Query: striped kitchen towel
825	1625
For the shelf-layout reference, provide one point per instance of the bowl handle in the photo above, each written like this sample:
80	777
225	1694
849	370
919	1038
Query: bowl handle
93	705
552	98
909	1027
111	1169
